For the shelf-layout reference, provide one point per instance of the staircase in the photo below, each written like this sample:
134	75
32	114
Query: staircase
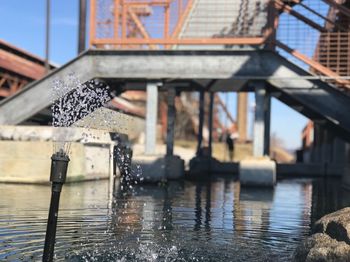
315	99
224	18
300	89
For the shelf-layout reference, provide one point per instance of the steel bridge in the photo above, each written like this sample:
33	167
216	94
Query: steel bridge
296	51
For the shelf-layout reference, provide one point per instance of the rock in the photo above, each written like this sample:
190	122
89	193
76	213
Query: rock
321	247
336	225
330	239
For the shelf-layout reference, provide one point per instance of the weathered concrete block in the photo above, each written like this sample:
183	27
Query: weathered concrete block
168	167
257	172
29	161
200	167
174	167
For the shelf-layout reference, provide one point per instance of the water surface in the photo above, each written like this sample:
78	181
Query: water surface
180	221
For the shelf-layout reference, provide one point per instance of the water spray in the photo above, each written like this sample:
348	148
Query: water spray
72	101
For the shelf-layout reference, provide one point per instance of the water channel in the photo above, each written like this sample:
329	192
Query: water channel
178	221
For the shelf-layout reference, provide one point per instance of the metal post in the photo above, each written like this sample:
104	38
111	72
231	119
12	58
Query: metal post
47	40
82	26
267	122
171	121
201	122
59	165
210	124
151	118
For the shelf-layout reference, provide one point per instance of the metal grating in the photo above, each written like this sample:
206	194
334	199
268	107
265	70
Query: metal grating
165	23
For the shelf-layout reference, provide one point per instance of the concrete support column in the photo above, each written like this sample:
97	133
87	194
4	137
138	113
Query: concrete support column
200	122
151	118
171	121
210	123
261	144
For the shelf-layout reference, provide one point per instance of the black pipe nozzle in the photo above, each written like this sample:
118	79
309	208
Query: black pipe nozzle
59	166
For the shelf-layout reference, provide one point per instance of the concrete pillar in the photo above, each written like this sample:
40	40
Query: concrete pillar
210	123
200	122
260	171
171	121
261	144
151	118
242	106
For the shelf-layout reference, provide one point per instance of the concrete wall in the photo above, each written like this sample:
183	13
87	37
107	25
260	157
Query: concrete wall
330	152
26	151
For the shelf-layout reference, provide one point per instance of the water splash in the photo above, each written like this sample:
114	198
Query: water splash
71	101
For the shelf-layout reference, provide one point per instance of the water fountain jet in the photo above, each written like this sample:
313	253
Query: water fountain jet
68	107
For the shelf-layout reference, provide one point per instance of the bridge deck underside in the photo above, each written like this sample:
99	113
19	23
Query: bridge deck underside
231	69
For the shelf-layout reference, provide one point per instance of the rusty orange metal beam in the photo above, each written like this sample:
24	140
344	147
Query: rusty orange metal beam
179	6
124	18
184	41
127	107
166	21
163	117
3	80
320	68
116	18
138	24
150	3
20	65
14	86
10	84
182	19
4	92
92	21
22	84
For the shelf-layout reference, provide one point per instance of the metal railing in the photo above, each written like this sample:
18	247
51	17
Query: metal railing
315	35
164	23
312	33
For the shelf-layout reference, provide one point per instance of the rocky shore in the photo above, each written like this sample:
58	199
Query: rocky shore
330	239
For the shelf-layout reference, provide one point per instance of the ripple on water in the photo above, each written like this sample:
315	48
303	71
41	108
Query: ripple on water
183	221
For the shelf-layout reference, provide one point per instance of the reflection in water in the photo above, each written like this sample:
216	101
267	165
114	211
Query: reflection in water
182	221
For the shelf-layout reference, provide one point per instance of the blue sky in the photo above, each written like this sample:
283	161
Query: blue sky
286	123
23	24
